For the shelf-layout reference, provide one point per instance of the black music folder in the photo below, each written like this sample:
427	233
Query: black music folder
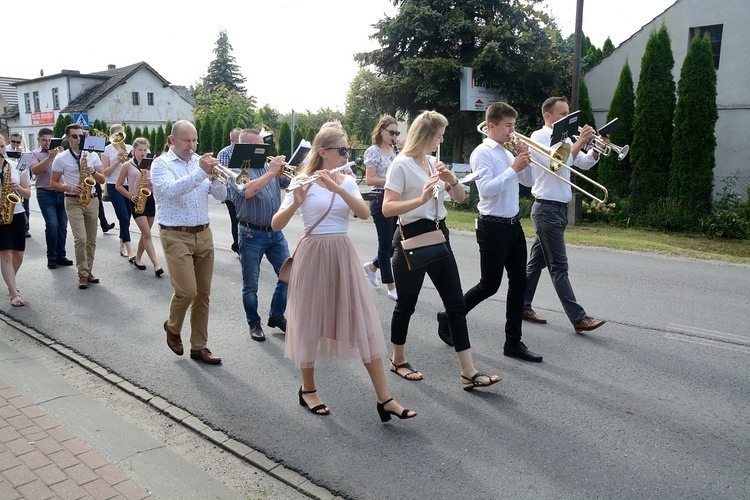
145	164
249	156
55	143
610	127
565	128
300	154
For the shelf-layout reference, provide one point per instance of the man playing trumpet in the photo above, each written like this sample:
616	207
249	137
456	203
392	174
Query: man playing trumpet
549	215
256	205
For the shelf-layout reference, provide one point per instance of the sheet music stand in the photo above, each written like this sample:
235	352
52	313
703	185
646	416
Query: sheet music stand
93	143
246	156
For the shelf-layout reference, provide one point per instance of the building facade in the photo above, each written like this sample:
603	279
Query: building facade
726	22
135	94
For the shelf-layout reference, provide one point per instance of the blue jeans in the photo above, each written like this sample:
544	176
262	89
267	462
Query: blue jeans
254	244
385	227
52	206
122	210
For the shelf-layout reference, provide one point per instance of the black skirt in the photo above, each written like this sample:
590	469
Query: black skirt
148	211
13	235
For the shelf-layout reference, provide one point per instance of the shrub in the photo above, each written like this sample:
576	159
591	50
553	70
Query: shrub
595	211
666	214
726	220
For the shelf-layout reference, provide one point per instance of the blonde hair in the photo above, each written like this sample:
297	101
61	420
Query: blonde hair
327	137
422	131
384	121
141	141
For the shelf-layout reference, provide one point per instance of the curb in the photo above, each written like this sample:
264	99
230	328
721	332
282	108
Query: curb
183	417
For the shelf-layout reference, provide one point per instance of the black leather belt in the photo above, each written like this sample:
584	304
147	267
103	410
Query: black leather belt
185	229
500	220
551	202
253	226
48	190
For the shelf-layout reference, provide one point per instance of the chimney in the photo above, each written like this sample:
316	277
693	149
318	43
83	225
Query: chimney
110	67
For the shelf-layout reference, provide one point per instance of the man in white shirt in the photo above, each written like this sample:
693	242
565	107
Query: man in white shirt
502	244
66	176
181	183
550	216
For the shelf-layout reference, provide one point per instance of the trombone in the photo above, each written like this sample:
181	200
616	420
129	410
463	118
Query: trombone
603	147
225	174
557	160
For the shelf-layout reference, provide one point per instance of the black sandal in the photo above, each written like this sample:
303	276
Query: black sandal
314	409
385	415
395	368
473	382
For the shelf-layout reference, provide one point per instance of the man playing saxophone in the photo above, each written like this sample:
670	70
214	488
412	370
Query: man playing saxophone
83	218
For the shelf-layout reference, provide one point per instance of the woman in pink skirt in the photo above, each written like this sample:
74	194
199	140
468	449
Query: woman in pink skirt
326	283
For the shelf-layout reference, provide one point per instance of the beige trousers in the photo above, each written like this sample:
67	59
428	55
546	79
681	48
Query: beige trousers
83	224
190	263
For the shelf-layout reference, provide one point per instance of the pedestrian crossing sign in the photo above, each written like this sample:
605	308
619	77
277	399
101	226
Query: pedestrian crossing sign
81	119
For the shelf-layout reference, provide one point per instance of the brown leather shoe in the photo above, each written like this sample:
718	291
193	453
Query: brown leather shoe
587	324
205	356
530	315
92	279
174	341
82	282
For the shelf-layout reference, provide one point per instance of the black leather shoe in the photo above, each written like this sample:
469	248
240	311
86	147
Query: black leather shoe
28	234
279	323
444	330
51	264
521	352
107	227
256	332
64	262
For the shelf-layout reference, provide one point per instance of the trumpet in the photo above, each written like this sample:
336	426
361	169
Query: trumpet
557	160
298	183
603	147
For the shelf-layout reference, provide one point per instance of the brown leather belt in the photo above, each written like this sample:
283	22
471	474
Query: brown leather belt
185	229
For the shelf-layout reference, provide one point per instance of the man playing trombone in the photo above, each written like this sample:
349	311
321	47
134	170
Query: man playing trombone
502	244
256	205
549	215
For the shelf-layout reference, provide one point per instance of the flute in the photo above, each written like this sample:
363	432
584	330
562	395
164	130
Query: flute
314	177
436	187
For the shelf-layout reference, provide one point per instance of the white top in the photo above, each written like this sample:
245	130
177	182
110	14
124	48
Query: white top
407	179
374	158
546	185
112	153
15	176
316	203
497	182
67	164
181	191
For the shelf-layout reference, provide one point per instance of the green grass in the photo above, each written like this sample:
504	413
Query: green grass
636	239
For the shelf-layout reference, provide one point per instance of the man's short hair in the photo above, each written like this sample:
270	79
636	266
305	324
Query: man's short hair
45	131
16	134
499	110
549	104
72	126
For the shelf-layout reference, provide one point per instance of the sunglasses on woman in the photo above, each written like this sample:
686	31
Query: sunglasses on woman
394	133
343	150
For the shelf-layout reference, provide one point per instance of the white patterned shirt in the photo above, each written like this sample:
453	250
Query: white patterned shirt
374	158
181	191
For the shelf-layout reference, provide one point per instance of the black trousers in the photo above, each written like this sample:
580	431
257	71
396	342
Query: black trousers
501	246
445	277
233	222
102	216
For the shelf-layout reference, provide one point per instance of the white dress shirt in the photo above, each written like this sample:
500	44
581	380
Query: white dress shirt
407	179
181	191
67	165
497	182
546	185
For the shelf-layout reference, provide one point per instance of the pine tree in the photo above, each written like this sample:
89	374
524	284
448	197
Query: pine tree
653	125
285	138
614	173
693	161
218	137
224	70
608	47
60	124
160	141
129	133
205	139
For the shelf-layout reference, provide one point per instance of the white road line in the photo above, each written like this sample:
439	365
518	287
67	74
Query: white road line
712	333
709	344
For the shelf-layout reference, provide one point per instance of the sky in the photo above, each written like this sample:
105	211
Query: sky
294	54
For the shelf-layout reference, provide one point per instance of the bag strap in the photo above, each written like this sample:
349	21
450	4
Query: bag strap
307	233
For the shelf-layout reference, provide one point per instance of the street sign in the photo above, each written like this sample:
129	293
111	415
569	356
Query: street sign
475	97
81	119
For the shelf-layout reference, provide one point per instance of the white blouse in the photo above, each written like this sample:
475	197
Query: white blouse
407	179
316	203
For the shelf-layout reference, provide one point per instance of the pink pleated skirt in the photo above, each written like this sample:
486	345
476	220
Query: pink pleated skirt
330	311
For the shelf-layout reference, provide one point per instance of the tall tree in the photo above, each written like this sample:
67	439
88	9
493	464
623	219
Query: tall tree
361	114
512	46
653	125
206	135
608	47
691	173
284	146
586	118
224	69
614	173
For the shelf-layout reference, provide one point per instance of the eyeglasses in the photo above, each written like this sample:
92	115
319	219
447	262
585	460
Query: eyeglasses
394	133
343	150
15	142
76	136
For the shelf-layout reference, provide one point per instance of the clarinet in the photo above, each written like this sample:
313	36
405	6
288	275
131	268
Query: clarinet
395	146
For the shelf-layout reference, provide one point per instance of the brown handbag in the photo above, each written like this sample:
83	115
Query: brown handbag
424	248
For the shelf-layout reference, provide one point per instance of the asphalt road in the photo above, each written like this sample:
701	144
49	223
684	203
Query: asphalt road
653	404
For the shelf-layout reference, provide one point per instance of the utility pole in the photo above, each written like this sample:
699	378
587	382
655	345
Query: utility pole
577	56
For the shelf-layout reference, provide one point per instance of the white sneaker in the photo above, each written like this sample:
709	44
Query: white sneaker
370	274
393	294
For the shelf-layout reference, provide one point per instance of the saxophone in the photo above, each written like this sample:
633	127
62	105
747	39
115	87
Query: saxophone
9	198
143	193
85	183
